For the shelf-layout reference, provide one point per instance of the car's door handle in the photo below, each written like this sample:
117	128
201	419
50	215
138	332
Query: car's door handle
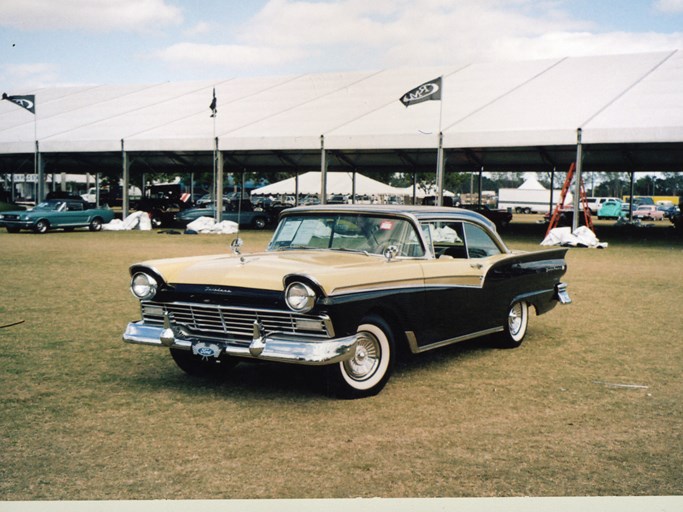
476	265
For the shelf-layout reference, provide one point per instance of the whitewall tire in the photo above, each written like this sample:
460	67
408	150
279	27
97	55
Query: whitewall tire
367	372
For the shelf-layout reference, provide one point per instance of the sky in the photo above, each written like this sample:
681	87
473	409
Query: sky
86	42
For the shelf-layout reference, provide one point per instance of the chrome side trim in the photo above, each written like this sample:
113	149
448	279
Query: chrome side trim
415	349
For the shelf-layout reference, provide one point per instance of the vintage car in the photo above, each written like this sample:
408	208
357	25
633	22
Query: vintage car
648	212
66	214
244	214
348	287
611	209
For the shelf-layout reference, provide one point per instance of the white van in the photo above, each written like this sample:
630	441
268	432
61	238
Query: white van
595	203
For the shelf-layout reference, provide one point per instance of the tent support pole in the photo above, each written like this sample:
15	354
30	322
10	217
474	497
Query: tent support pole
296	189
323	171
630	197
439	171
552	189
577	182
353	187
219	182
40	171
125	204
97	190
481	182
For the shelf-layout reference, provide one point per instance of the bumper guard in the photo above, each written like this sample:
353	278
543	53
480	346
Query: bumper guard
273	346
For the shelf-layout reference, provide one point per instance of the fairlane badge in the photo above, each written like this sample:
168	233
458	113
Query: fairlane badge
217	289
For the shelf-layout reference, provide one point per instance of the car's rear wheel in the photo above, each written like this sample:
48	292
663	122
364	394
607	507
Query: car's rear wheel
368	371
516	324
197	366
95	224
156	218
41	226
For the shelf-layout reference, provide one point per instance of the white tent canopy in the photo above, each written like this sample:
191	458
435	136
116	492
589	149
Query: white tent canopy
633	98
337	183
531	183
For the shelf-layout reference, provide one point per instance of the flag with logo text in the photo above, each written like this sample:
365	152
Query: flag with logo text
425	92
27	101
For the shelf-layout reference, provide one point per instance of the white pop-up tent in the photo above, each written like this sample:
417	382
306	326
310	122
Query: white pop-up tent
337	183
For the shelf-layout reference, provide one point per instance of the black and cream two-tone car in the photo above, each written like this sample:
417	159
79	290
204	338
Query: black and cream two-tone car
348	287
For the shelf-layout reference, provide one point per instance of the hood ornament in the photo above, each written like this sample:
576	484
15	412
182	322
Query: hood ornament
390	252
236	246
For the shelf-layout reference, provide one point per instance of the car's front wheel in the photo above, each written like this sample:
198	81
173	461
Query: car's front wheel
198	366
41	226
259	223
516	324
367	372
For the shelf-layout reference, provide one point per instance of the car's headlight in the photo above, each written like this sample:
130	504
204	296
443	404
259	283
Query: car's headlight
143	286
299	297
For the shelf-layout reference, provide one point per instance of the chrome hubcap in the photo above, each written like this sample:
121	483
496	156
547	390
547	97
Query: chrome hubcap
366	360
515	319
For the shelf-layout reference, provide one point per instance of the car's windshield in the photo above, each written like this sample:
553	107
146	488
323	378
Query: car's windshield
51	205
347	232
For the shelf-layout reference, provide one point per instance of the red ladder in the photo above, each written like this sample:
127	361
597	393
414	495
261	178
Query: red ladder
563	195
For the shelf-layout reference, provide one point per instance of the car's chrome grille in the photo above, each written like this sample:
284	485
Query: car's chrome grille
11	217
233	322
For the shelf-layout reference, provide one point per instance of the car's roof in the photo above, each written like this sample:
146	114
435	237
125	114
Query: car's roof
418	211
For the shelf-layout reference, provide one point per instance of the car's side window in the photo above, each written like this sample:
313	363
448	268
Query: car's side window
73	207
446	238
479	243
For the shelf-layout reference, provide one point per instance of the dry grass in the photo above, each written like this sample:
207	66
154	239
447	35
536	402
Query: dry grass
85	416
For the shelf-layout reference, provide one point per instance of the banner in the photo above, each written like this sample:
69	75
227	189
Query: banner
28	101
425	92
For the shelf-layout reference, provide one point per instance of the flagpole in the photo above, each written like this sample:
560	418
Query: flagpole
439	154
432	90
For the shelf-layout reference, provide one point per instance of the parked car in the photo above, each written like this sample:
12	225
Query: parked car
346	287
163	201
648	212
208	200
611	209
501	218
595	203
66	214
245	214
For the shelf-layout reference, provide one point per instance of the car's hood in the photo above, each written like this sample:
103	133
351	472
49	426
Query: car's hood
335	271
26	212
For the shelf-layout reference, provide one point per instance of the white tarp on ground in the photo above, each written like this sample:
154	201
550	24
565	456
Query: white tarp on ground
581	237
337	183
136	220
208	225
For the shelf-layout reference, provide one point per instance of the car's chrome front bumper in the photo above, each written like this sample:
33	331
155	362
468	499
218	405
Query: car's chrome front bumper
280	347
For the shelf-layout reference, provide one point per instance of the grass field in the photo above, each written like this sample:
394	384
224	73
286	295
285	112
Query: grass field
589	405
